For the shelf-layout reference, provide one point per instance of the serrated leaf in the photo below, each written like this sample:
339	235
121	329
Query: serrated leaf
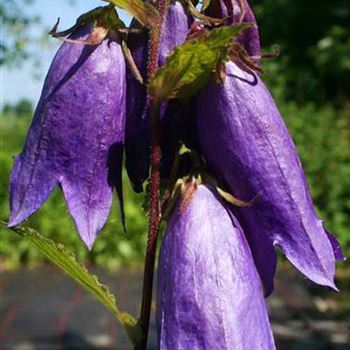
144	12
65	259
189	66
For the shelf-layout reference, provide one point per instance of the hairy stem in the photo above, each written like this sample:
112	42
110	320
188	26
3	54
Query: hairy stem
154	215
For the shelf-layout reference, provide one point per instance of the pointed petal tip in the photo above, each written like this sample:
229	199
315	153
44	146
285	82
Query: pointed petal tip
11	223
16	218
88	235
331	284
89	243
88	230
318	274
336	289
89	217
267	290
325	281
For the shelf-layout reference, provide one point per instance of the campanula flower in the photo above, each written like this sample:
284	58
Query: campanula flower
76	137
248	147
209	294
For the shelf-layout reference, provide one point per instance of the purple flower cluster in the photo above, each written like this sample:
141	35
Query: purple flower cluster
217	261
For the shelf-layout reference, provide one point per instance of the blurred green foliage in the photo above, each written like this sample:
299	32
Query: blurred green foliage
23	108
314	38
19	43
15	36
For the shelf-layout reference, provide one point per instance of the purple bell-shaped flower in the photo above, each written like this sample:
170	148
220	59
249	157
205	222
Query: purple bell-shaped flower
77	134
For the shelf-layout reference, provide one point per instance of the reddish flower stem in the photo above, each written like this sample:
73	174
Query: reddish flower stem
154	214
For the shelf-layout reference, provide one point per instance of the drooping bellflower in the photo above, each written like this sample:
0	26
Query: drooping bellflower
209	294
76	137
247	146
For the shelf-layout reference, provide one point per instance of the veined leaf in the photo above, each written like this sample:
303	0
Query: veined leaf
144	12
65	259
189	66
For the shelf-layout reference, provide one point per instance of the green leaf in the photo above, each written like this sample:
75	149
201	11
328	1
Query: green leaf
144	12
65	259
189	66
